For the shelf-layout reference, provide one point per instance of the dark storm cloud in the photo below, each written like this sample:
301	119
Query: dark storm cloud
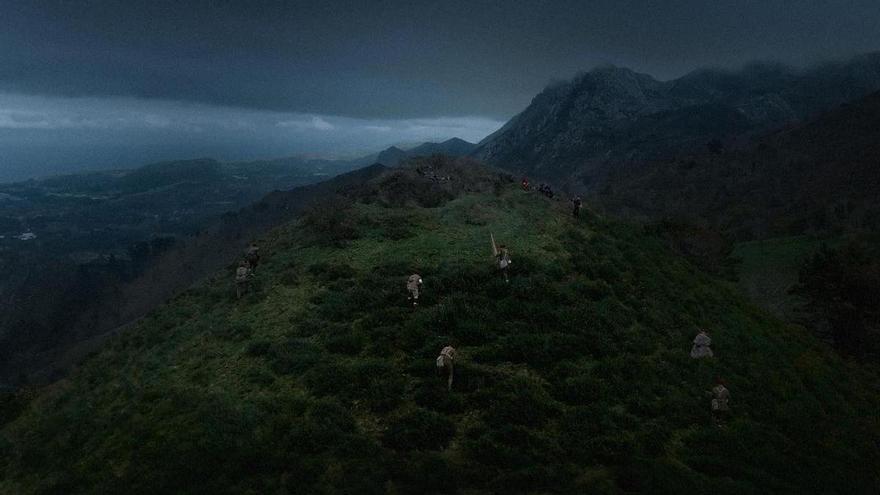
397	59
98	84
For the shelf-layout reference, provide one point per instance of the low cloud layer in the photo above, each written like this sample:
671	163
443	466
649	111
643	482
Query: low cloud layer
398	58
40	135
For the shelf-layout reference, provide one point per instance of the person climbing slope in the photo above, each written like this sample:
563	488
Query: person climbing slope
502	257
576	205
252	255
720	402
242	278
446	360
701	347
413	283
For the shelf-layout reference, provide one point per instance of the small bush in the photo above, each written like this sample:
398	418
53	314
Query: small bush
293	356
420	429
347	343
235	332
331	272
259	348
518	400
332	223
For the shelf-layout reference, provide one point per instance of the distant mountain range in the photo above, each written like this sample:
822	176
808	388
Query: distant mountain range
577	131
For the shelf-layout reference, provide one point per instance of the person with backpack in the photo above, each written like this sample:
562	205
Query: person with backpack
413	283
446	361
242	278
701	347
252	255
720	402
502	257
576	203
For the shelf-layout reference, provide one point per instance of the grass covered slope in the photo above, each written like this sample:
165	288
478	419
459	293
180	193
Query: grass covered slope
574	377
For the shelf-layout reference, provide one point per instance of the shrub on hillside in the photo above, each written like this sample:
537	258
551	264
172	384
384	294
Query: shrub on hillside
375	383
235	332
431	393
407	188
426	472
293	356
332	223
348	343
331	272
842	288
518	399
419	429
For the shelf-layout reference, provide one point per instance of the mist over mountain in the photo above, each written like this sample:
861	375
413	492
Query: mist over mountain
613	117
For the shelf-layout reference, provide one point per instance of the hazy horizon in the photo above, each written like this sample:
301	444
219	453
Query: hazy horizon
45	136
102	84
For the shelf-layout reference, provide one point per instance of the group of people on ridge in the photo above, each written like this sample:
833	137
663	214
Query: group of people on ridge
547	190
446	360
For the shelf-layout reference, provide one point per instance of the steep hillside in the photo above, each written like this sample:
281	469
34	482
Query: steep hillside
612	117
818	177
573	378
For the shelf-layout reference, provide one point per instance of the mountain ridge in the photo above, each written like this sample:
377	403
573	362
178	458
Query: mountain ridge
572	377
577	130
393	155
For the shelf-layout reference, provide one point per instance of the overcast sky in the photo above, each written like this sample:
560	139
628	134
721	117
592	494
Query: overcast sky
117	83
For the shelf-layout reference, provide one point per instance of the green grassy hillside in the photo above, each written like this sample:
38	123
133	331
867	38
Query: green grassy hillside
574	377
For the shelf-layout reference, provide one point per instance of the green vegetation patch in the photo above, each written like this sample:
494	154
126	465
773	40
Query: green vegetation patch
574	377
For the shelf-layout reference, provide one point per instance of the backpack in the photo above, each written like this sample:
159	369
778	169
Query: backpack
503	260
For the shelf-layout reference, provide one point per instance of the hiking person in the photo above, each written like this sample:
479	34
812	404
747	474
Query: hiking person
412	285
720	398
252	255
701	347
576	204
502	256
242	278
446	361
525	184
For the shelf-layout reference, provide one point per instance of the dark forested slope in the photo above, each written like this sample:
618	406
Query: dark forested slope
821	176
